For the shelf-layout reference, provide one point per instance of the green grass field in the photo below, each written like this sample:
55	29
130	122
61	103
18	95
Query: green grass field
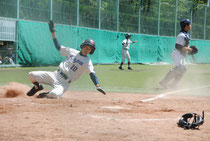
142	79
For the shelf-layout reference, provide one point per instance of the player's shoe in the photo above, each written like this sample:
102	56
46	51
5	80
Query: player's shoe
121	68
34	90
130	68
164	85
43	95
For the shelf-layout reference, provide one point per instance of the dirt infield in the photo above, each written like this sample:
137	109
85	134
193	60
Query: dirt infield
91	116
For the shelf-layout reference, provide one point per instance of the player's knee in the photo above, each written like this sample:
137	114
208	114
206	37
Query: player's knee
31	76
179	70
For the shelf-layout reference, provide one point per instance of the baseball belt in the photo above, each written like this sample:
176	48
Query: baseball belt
64	75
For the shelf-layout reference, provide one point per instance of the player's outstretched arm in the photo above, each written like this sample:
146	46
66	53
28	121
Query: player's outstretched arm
95	81
135	41
52	30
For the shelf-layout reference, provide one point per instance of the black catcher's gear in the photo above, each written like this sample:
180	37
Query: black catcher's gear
185	122
88	42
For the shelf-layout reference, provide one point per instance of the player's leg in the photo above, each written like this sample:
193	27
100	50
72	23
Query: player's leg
179	74
56	92
178	61
37	77
123	59
129	60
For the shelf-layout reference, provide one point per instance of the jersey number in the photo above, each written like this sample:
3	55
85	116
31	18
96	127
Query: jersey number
73	67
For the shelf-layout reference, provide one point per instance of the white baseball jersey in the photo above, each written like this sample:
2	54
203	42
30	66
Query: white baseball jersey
178	56
125	47
126	43
75	64
73	67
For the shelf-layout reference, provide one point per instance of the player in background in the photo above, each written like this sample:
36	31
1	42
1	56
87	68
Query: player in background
178	56
125	53
69	70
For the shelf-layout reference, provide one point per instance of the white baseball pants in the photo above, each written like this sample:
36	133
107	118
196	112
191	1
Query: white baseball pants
54	79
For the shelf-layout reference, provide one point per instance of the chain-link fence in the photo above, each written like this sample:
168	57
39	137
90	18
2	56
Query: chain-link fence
161	18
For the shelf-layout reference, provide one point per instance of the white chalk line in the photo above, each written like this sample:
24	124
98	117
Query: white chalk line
113	107
131	120
173	92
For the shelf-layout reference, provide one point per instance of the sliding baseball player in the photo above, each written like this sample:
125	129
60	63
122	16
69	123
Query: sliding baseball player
76	63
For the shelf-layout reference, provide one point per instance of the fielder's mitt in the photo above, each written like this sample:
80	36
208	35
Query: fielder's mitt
191	121
194	50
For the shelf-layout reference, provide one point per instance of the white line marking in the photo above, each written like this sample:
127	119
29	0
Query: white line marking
113	107
135	119
168	93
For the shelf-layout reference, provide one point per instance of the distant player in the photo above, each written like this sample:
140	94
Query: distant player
125	47
76	63
178	56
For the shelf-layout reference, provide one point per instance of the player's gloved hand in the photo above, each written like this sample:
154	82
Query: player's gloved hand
51	26
100	90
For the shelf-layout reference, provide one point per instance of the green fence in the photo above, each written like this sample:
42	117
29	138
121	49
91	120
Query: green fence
115	15
36	46
106	21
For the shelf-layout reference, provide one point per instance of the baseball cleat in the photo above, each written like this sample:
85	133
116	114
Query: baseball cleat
34	90
130	68
43	95
121	68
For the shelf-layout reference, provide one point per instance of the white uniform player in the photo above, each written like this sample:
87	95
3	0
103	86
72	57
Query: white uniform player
69	70
178	56
125	53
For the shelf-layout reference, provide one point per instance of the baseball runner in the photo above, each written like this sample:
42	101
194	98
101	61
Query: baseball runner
178	56
76	63
125	47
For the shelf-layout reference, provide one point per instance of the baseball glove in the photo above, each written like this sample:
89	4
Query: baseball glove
51	26
194	50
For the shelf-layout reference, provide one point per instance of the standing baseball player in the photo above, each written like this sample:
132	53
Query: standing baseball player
76	63
178	56
125	53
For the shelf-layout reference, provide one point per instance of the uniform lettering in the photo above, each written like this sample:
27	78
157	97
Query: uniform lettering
78	61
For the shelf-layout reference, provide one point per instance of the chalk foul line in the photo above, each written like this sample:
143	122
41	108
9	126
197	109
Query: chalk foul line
131	119
173	92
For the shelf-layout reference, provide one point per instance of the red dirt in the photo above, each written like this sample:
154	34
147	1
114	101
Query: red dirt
91	116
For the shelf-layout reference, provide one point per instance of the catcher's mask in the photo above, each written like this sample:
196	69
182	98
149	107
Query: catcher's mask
185	122
88	42
184	22
127	35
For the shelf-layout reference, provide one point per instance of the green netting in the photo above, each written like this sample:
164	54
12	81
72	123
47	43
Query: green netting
149	20
64	12
160	17
207	24
128	17
198	23
8	8
108	15
36	46
38	10
167	18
